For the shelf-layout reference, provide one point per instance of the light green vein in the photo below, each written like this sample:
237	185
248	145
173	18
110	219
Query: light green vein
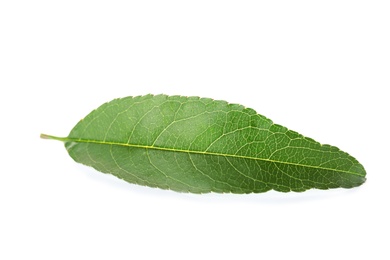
66	139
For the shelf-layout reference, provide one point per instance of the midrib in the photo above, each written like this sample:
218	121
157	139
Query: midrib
66	139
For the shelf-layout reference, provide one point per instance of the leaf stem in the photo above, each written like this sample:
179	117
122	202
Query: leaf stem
45	136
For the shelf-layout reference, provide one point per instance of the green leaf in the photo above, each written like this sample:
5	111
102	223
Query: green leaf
191	144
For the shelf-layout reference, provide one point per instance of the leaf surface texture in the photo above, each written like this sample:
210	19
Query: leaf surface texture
199	145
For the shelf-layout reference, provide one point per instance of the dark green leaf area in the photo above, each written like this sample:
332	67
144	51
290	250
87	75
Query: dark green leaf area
199	145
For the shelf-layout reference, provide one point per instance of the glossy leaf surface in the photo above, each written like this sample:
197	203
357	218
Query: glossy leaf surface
199	145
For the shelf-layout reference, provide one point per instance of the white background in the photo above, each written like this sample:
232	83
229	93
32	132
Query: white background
318	67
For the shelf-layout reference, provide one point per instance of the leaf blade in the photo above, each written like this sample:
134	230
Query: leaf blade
199	145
